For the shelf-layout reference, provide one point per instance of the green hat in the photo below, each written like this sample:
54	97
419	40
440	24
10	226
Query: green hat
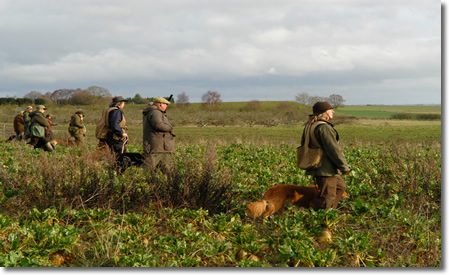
161	100
41	107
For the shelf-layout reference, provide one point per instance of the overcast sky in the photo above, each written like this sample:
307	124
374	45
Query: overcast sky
368	51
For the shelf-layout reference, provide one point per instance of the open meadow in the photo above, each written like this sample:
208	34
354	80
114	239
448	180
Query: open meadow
71	208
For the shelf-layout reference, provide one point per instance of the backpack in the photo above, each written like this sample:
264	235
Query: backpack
102	127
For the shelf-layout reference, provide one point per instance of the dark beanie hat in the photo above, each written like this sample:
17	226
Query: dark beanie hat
321	107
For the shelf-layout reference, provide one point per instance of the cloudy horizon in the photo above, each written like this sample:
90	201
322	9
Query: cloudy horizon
370	52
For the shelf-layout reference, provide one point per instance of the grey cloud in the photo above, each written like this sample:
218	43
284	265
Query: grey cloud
236	46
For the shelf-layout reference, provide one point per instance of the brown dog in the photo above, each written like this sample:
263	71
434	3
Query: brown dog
62	141
275	198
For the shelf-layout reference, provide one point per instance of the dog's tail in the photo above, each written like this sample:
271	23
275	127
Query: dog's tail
257	209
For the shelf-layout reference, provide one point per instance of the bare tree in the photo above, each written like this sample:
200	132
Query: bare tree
182	98
99	91
62	95
314	99
211	98
336	100
33	95
302	98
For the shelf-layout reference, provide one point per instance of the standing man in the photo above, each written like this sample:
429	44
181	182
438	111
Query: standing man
327	177
27	121
158	134
116	137
19	127
40	138
77	128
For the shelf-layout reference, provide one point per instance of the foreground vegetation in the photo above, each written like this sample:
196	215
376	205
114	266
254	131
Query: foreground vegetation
71	208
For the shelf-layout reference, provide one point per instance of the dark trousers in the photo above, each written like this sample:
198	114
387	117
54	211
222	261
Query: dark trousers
331	190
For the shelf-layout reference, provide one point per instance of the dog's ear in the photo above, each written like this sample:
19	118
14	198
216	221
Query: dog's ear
297	196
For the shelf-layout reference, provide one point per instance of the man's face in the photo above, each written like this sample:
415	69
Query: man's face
163	106
122	105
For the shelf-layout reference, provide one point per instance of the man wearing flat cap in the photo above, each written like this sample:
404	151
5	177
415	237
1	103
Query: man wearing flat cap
327	177
117	137
158	134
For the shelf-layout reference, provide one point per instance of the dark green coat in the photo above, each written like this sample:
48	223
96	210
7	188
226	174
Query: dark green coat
333	160
38	118
158	134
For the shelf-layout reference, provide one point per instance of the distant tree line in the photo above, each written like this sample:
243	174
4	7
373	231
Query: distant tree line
15	101
89	96
96	95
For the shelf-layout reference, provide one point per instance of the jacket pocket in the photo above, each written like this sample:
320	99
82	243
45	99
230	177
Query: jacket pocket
169	144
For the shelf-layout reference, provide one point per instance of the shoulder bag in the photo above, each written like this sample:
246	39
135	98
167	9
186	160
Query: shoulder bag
309	158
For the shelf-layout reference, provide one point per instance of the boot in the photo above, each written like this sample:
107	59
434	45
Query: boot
48	147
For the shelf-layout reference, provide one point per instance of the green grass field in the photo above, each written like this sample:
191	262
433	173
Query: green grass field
71	208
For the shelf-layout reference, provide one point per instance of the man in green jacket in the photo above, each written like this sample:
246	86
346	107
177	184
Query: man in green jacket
77	128
39	140
327	177
158	134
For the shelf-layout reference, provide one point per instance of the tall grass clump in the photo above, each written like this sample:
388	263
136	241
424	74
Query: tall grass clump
77	177
194	183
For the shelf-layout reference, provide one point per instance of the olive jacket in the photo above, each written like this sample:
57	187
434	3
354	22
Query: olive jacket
38	119
76	127
333	160
158	133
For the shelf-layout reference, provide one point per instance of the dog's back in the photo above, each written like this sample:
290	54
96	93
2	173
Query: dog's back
299	195
275	198
62	141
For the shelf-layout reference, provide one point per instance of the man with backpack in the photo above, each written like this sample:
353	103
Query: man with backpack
111	127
